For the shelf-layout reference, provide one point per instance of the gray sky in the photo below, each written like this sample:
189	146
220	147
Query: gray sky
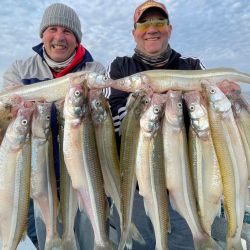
217	32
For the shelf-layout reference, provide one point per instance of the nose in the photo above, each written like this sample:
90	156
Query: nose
152	29
59	35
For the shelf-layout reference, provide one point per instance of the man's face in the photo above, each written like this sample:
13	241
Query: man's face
152	40
59	43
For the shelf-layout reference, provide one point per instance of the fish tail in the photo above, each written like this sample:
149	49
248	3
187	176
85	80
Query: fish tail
126	240
69	244
53	244
245	234
107	246
233	244
206	243
135	234
127	236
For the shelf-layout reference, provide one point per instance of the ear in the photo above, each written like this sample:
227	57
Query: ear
170	29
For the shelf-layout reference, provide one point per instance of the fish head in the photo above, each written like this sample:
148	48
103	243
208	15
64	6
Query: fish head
95	80
141	103
174	108
41	119
138	101
20	127
197	112
98	106
217	99
75	100
150	120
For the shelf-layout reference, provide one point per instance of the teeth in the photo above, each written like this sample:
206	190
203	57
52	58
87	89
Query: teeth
58	46
152	39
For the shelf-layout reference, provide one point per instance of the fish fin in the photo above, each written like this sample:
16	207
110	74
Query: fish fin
134	232
169	226
24	236
69	244
126	238
125	241
80	202
207	243
172	202
55	244
245	233
145	207
111	208
233	243
107	246
60	212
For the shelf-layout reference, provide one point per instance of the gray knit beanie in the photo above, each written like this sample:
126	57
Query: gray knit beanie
63	15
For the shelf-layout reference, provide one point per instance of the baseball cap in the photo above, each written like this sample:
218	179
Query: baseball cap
147	5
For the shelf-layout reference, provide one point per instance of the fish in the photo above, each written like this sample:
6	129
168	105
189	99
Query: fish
150	169
106	144
53	90
241	112
130	127
15	167
43	180
232	161
107	151
158	80
162	80
203	160
82	162
74	106
68	195
177	170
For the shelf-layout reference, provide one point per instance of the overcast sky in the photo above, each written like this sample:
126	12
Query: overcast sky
217	32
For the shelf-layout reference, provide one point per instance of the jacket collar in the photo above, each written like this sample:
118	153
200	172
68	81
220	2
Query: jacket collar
87	58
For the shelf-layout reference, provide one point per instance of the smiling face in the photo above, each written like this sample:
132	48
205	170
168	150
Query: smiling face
59	43
153	40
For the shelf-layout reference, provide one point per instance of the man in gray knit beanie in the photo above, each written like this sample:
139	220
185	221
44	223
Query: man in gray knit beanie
59	53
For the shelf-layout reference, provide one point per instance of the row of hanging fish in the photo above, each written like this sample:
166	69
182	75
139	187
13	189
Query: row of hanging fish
198	172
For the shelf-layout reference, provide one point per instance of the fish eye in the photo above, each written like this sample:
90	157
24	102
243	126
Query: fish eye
105	78
212	91
146	101
24	122
156	110
191	108
98	103
179	105
77	93
48	117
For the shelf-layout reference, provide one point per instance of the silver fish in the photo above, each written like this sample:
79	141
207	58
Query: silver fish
177	170
232	161
162	80
204	164
150	169
82	162
136	104
15	167
43	180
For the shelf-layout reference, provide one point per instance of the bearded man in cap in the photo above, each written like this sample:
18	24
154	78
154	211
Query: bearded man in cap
59	53
152	31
